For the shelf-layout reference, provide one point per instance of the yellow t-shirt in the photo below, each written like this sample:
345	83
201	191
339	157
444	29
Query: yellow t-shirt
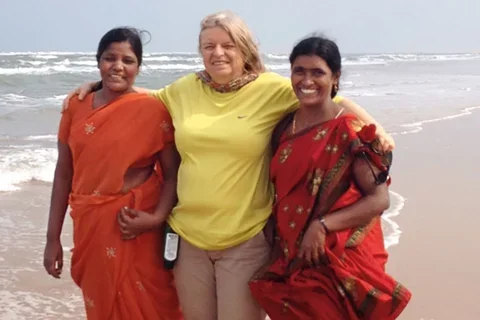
224	192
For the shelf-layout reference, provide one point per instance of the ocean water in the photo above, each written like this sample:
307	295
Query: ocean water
403	91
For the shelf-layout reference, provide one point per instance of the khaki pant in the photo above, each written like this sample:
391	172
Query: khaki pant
213	285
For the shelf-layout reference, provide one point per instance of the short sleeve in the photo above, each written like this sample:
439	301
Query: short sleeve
338	99
158	94
171	94
64	127
285	94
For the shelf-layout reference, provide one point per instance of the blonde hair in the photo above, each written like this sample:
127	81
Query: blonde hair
241	37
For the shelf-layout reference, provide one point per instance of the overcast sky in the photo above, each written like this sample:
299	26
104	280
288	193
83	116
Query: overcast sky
359	26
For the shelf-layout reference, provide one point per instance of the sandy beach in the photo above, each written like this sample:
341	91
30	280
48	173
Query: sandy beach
436	170
26	290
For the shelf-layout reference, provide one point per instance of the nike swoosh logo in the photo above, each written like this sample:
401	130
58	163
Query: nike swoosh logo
241	117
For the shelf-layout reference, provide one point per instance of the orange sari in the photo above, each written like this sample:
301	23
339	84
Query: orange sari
312	173
119	279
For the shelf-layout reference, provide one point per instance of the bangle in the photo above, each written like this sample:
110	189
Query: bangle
322	222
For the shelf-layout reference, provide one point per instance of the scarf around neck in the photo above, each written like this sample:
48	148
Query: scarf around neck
233	85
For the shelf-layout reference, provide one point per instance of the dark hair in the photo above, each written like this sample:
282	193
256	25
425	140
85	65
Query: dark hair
323	48
122	34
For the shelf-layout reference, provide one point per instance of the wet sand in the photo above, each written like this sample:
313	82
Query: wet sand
26	290
437	171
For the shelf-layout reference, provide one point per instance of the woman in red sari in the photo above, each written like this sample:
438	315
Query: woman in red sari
331	188
109	146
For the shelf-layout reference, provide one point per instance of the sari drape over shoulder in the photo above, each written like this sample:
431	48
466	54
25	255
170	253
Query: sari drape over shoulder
315	166
119	279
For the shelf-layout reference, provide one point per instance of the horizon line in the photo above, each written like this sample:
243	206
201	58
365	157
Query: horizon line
266	52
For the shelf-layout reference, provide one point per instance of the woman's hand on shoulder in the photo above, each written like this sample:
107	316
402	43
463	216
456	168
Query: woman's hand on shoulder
386	140
81	91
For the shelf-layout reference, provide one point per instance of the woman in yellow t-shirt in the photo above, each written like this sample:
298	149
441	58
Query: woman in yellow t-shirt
223	118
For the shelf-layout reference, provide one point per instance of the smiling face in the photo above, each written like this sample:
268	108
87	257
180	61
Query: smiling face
312	80
222	58
118	67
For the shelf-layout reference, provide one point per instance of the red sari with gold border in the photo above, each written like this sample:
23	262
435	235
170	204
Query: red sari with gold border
315	166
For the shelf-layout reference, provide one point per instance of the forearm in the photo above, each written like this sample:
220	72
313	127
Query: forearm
168	199
357	214
58	206
169	162
361	113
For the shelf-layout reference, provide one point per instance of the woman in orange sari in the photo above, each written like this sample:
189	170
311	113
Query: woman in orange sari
331	186
116	168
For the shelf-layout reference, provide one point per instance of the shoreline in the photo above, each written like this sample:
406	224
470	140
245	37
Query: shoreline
40	177
434	258
418	126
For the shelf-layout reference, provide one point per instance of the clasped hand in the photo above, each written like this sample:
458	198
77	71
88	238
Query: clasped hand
312	248
135	222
